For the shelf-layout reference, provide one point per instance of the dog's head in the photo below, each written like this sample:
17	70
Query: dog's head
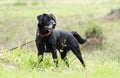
46	22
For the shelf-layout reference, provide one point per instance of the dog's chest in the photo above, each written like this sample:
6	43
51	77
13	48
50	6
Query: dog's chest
48	44
48	47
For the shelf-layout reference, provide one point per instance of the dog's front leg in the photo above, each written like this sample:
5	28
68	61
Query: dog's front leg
40	48
40	56
40	52
63	57
54	55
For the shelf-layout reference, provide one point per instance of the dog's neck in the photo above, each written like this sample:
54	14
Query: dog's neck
44	35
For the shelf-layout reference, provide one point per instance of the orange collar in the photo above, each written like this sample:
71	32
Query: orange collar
44	35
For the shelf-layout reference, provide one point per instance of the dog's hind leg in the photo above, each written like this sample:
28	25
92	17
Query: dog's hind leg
79	56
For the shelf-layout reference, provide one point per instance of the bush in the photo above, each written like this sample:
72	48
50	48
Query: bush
94	32
20	3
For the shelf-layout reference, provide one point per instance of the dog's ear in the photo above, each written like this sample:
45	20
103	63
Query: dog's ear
38	17
53	17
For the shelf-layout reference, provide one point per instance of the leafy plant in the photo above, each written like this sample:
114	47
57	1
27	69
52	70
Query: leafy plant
94	31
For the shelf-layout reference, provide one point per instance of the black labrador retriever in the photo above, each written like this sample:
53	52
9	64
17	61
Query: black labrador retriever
50	40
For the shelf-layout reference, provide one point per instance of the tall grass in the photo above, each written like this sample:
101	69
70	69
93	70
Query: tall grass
18	24
25	64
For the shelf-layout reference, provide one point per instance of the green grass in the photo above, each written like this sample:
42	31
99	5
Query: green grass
24	64
18	24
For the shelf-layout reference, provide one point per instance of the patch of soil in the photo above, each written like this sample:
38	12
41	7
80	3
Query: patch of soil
113	15
6	62
91	45
12	66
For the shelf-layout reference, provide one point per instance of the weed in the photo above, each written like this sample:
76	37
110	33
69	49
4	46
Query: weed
94	31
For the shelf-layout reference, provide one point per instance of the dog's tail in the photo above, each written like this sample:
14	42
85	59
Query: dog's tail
78	37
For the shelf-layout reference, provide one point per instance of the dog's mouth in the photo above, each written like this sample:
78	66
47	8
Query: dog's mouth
49	27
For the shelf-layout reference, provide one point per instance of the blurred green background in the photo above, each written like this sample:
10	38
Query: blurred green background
18	25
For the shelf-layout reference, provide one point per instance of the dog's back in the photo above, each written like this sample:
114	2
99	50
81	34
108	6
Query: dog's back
69	35
70	39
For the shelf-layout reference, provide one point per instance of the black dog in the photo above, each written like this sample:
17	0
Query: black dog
50	40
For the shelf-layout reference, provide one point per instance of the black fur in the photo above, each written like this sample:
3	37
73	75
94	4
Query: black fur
57	40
